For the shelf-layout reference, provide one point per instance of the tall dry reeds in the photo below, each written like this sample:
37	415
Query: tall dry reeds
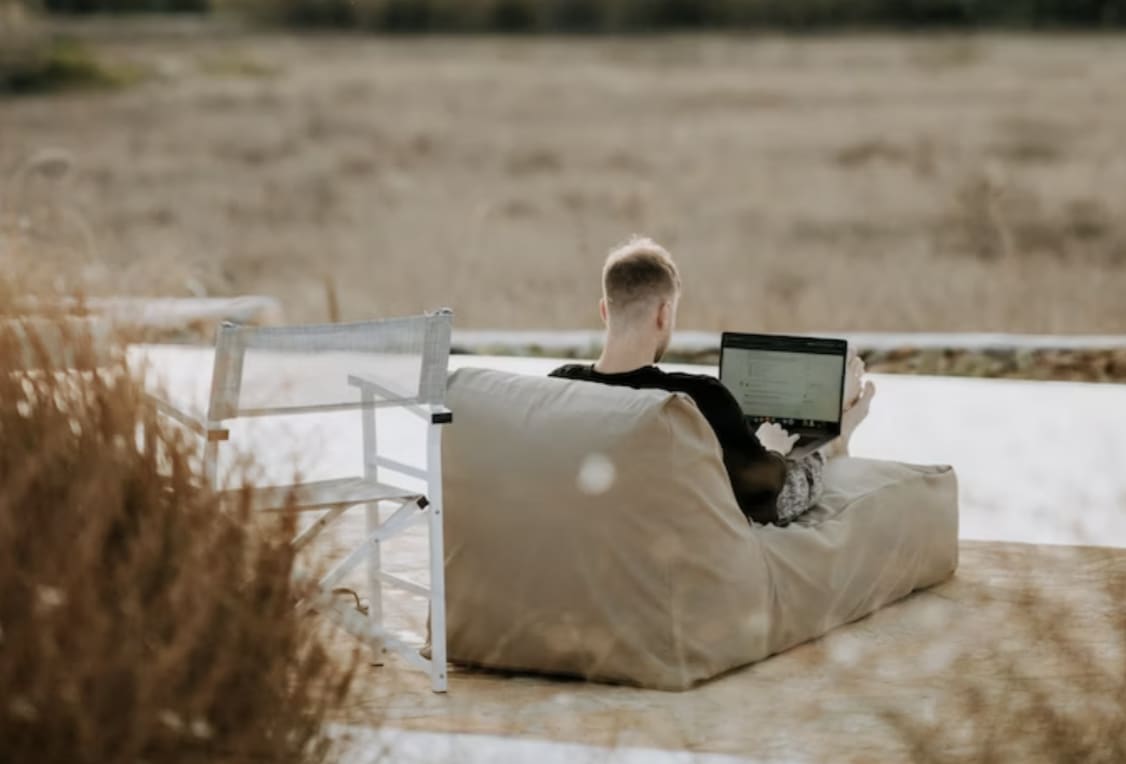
23	42
34	60
1049	686
139	619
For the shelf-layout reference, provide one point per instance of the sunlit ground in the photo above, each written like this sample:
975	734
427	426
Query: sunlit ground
1037	463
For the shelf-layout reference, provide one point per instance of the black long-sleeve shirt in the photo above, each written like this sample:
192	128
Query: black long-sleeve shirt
768	487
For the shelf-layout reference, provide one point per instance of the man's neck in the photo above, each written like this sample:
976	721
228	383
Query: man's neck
625	354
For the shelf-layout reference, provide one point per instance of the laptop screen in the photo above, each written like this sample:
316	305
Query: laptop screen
799	385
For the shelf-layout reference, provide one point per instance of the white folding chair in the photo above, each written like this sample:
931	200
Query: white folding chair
369	367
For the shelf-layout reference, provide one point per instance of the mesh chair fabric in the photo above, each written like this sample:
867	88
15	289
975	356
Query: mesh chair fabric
274	370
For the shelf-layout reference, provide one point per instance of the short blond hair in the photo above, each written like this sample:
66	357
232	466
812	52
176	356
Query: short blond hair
637	272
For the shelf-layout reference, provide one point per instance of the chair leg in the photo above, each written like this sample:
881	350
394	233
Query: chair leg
437	563
374	567
371	471
211	464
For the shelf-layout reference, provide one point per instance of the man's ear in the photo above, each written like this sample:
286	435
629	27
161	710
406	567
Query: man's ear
602	311
664	315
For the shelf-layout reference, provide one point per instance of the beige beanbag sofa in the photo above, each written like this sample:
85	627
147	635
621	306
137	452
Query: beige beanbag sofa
592	531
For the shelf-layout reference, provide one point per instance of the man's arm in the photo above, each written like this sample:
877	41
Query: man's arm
769	487
804	484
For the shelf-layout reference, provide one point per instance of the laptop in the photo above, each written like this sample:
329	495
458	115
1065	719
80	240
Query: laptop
795	382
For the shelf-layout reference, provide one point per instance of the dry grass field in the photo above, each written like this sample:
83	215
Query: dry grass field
858	183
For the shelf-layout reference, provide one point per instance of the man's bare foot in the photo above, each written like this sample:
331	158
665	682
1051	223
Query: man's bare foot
854	374
856	413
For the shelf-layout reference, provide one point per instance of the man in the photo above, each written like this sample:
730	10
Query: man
640	296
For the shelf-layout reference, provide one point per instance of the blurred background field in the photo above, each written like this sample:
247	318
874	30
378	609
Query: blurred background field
637	15
947	181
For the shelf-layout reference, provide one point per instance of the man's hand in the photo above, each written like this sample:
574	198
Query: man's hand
775	438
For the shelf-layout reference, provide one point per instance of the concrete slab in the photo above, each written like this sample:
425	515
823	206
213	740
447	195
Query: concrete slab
367	745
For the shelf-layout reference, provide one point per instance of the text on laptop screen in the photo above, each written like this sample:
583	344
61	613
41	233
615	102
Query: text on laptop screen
780	385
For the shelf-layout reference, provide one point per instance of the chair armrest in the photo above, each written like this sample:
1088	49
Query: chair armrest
433	413
441	415
195	424
371	386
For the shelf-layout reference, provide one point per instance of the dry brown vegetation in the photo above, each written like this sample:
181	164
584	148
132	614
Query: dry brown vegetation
138	621
861	183
21	38
1049	687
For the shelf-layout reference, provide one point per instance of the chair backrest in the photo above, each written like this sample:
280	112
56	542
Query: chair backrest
262	371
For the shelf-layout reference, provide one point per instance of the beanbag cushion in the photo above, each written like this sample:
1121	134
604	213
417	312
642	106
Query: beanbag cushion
592	531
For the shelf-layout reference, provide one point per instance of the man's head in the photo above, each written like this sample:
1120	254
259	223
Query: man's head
640	292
